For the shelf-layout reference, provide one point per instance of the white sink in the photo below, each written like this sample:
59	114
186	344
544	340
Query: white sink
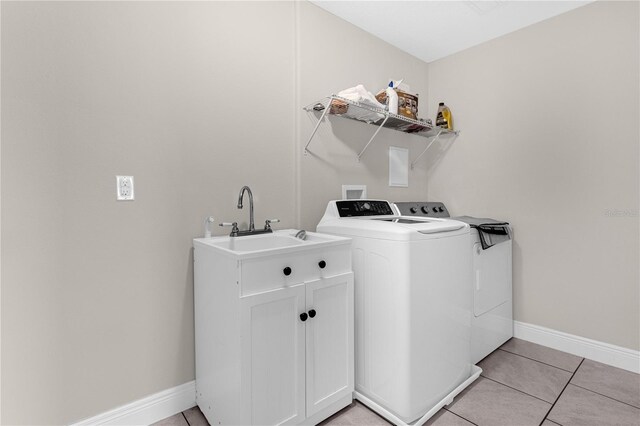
257	242
281	241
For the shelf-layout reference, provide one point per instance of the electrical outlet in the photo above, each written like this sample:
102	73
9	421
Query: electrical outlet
124	188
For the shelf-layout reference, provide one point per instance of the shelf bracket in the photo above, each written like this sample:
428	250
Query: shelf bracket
372	137
435	138
315	129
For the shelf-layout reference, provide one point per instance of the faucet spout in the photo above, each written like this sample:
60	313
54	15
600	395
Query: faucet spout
240	197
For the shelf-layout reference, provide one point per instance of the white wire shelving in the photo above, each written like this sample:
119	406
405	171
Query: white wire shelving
345	108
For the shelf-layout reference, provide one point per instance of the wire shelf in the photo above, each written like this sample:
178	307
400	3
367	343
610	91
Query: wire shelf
345	108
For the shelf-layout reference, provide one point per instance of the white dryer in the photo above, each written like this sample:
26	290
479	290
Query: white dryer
412	307
492	289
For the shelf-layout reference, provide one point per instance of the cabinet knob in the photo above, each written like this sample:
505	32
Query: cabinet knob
287	272
303	317
312	313
322	264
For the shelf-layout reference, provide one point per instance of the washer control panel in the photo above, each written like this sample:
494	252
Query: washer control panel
351	208
426	208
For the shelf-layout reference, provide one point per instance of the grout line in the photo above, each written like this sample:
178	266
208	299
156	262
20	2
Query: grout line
541	362
606	396
560	394
185	418
515	389
551	421
463	418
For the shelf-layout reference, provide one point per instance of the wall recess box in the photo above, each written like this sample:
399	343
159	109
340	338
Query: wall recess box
124	188
398	166
354	192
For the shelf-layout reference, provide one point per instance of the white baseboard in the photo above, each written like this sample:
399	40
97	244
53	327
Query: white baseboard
605	353
148	410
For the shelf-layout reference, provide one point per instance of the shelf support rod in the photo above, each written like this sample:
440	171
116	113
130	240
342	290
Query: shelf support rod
315	129
435	138
372	137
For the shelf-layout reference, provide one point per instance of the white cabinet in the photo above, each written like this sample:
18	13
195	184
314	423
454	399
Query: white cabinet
274	335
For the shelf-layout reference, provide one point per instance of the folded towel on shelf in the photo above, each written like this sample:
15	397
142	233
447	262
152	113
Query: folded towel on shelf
363	97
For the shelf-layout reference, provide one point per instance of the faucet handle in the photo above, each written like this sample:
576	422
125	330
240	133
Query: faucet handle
234	230
268	222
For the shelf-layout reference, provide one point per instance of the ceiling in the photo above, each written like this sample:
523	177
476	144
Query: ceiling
431	30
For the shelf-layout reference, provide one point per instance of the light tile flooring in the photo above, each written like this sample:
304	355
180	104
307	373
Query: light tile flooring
191	417
521	384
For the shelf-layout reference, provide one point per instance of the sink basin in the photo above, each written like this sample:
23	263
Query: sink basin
258	242
281	241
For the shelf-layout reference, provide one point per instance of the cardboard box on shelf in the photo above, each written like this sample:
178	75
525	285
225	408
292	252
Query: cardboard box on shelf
407	103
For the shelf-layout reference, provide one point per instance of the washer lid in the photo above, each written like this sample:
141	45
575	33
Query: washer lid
424	226
394	227
377	219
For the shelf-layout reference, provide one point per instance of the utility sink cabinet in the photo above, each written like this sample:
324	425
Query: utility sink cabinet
274	329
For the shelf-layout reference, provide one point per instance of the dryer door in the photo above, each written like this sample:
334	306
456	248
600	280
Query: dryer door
492	281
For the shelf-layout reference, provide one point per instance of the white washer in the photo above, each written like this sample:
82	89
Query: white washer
492	288
412	307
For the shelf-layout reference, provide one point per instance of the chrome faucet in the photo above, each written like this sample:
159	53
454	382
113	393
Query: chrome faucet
252	226
235	232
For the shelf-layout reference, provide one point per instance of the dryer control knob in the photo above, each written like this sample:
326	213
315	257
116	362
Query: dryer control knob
413	210
435	210
440	209
425	209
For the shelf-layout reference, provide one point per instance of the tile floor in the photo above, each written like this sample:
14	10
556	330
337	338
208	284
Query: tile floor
191	417
521	384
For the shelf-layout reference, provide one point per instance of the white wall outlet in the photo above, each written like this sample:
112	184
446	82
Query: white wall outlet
124	188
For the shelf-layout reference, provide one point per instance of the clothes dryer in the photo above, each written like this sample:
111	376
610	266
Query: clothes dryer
491	280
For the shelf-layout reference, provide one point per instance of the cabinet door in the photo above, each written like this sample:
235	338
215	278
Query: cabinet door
329	341
273	357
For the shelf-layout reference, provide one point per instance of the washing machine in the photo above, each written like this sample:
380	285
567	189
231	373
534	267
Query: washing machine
412	307
491	280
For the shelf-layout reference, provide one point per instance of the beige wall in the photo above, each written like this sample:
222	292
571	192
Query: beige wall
333	55
97	299
194	100
550	138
